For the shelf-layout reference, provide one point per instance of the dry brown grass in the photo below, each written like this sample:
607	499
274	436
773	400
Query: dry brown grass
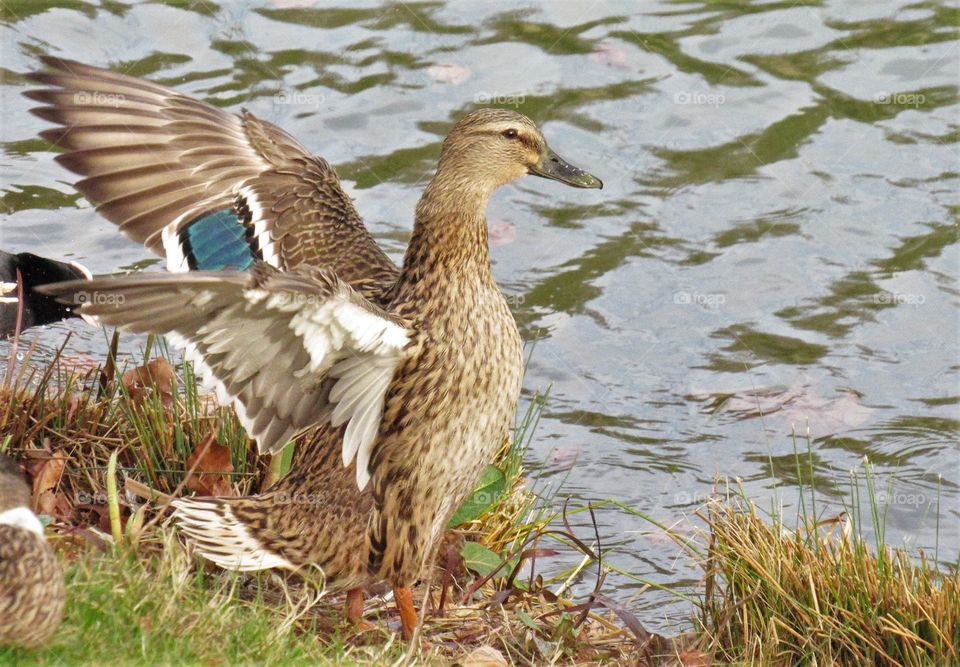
821	595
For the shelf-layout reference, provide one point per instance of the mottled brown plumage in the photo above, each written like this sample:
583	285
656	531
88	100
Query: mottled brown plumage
32	593
408	377
152	157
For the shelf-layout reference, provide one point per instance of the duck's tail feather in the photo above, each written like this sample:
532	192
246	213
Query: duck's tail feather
220	536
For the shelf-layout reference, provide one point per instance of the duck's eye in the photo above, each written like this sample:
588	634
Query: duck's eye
509	134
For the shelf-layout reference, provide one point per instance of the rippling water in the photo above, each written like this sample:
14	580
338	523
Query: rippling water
775	249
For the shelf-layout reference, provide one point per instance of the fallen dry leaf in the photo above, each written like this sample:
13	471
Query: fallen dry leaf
501	232
564	456
210	462
484	656
158	376
610	55
694	658
796	408
100	515
73	403
46	478
80	538
61	508
449	73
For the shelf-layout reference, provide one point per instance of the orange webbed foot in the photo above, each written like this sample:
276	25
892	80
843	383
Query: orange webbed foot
408	613
353	610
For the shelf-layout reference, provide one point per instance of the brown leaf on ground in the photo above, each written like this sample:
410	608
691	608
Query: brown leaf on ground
73	403
210	462
484	656
694	658
103	521
76	541
62	508
46	479
156	376
44	503
99	515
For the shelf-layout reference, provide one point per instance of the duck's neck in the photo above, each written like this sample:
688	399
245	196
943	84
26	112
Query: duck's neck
449	239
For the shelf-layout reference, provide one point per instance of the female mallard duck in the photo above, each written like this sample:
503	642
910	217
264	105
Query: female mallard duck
32	592
411	375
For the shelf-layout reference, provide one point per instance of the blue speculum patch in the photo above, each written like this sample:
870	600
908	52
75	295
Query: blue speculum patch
219	241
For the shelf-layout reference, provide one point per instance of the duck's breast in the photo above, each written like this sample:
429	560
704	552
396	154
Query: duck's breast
450	408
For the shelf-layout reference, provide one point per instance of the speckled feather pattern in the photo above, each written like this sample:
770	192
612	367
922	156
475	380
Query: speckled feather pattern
151	157
448	409
32	591
452	397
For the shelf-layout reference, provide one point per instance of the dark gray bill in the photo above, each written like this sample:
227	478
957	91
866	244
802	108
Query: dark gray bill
553	166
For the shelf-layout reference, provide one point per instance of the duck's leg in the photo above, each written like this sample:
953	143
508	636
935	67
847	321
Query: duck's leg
408	614
353	606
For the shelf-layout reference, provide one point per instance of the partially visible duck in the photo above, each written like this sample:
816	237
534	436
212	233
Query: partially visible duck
33	271
32	591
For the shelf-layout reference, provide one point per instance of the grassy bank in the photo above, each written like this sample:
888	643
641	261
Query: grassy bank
136	597
788	590
772	593
821	595
156	608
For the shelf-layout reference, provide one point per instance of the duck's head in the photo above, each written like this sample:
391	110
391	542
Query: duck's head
13	490
496	146
15	499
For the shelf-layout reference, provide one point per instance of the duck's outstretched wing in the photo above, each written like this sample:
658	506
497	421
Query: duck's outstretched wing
286	349
205	188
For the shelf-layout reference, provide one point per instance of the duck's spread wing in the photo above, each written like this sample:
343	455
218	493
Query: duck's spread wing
286	349
206	188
